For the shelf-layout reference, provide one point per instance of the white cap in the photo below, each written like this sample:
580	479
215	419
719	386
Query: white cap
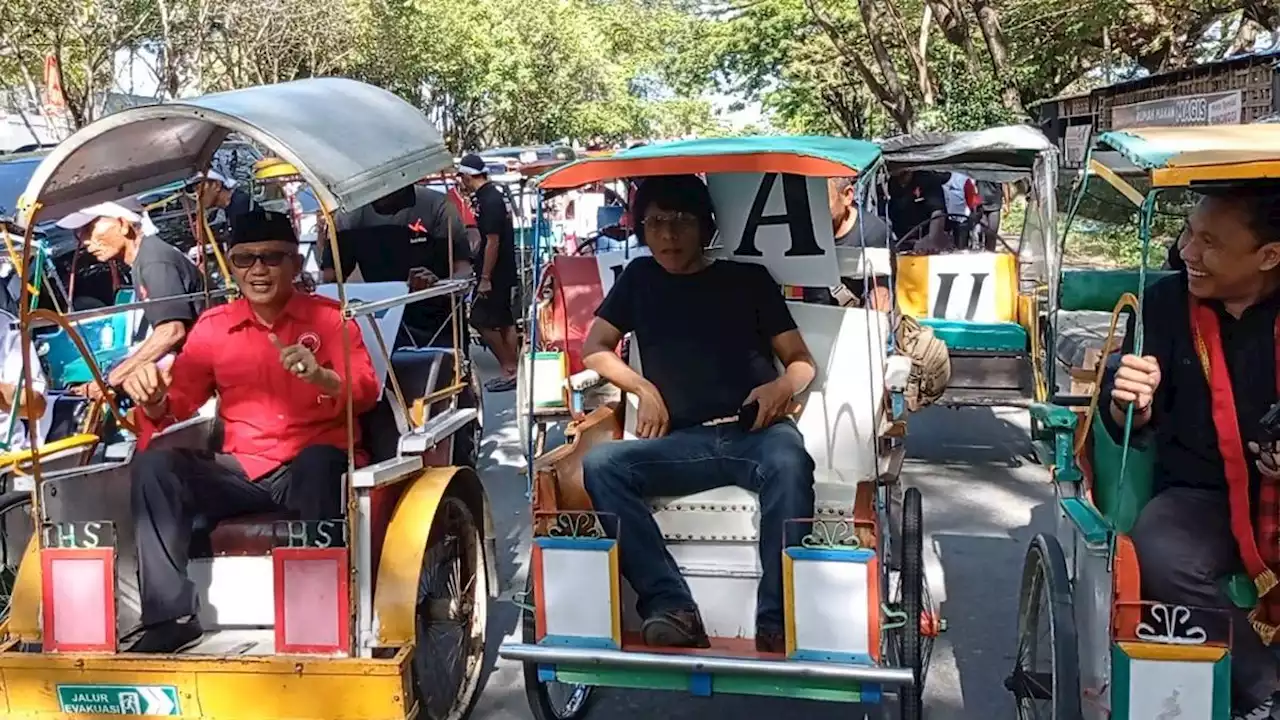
80	218
227	182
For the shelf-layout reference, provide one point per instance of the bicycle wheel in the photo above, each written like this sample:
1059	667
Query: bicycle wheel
1046	679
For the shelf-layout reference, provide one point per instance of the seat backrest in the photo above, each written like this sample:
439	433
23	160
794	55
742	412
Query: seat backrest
388	320
970	286
841	407
1100	290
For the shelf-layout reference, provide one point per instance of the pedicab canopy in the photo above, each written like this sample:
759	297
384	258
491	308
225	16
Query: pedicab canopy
352	142
999	154
769	194
1183	156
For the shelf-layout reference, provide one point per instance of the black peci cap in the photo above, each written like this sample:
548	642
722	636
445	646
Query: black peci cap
258	225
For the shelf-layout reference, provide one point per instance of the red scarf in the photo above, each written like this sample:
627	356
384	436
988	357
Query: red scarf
1259	545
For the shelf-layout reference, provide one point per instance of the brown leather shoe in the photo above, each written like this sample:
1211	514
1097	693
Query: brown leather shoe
676	628
771	641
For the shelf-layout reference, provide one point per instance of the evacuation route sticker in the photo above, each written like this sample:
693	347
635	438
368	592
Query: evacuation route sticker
119	699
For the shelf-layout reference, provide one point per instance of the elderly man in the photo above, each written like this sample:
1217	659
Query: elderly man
275	359
114	231
708	333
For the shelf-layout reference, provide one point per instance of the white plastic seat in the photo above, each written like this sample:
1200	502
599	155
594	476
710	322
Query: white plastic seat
841	409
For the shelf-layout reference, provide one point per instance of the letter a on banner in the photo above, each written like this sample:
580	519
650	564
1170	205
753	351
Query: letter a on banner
780	221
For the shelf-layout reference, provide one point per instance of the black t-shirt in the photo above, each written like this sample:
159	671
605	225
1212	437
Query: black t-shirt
912	205
869	230
992	194
493	217
386	247
160	270
705	339
1181	425
238	205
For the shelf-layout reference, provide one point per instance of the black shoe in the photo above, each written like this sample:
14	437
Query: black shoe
169	637
675	628
769	640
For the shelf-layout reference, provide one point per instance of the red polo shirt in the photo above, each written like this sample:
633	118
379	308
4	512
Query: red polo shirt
269	414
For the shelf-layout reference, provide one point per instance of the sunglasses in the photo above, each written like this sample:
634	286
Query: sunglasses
246	260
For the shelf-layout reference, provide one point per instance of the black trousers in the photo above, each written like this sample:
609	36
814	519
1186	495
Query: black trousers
1185	548
171	488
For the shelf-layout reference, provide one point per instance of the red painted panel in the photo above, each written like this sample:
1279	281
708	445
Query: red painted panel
312	601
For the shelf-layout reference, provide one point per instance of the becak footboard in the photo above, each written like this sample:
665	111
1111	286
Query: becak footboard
557	475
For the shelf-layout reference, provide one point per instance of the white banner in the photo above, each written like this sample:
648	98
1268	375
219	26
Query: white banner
780	221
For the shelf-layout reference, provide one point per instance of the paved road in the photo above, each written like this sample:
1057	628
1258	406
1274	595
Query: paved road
983	502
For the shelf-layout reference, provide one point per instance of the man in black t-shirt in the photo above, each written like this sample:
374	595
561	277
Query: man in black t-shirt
708	334
854	227
992	194
216	191
918	209
406	236
112	231
496	264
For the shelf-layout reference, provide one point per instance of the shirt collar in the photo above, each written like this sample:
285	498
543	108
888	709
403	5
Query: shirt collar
243	315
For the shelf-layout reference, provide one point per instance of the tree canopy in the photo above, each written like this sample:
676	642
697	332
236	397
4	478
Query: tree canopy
504	72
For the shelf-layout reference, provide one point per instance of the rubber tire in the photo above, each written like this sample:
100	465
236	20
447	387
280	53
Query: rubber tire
534	689
467	440
911	700
470	688
1046	560
9	501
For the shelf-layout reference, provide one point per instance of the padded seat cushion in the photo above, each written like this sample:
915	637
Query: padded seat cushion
987	337
239	536
421	371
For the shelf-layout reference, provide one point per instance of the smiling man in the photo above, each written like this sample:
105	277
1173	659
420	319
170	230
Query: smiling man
709	334
275	360
110	232
1199	392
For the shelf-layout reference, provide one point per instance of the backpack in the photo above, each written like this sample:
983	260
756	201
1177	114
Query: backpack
930	362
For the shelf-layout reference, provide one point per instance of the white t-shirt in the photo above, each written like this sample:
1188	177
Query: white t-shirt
11	374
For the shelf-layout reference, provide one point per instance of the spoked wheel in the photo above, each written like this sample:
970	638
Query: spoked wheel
16	528
1046	677
912	650
453	605
550	700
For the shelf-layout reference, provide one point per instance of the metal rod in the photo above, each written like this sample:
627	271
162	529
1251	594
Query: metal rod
559	655
444	287
114	309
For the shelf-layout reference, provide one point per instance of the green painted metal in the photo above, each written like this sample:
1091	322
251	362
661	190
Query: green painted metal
1054	417
1222	689
825	690
1137	149
1119	683
988	337
1100	290
1087	520
1120	497
854	155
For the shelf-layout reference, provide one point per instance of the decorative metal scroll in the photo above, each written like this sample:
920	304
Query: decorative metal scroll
1170	625
576	525
832	535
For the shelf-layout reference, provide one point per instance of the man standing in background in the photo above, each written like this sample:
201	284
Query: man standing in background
496	265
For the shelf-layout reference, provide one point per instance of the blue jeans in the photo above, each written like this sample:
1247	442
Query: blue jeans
772	463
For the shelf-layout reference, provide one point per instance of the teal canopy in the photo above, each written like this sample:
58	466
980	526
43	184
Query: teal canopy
812	156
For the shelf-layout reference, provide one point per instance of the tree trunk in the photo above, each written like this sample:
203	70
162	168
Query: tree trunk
989	22
902	107
955	27
915	51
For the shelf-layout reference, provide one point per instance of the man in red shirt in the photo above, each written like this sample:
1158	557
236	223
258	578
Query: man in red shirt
274	358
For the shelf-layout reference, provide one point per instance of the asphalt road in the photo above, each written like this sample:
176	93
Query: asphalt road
983	502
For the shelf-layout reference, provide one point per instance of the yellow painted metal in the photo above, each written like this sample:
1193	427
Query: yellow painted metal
914	273
273	168
209	688
1182	176
396	599
1117	182
49	449
24	608
1159	651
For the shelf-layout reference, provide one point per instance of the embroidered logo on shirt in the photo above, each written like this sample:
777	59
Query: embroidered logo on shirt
420	231
310	341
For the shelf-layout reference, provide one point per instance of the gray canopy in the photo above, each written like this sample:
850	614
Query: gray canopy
353	142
